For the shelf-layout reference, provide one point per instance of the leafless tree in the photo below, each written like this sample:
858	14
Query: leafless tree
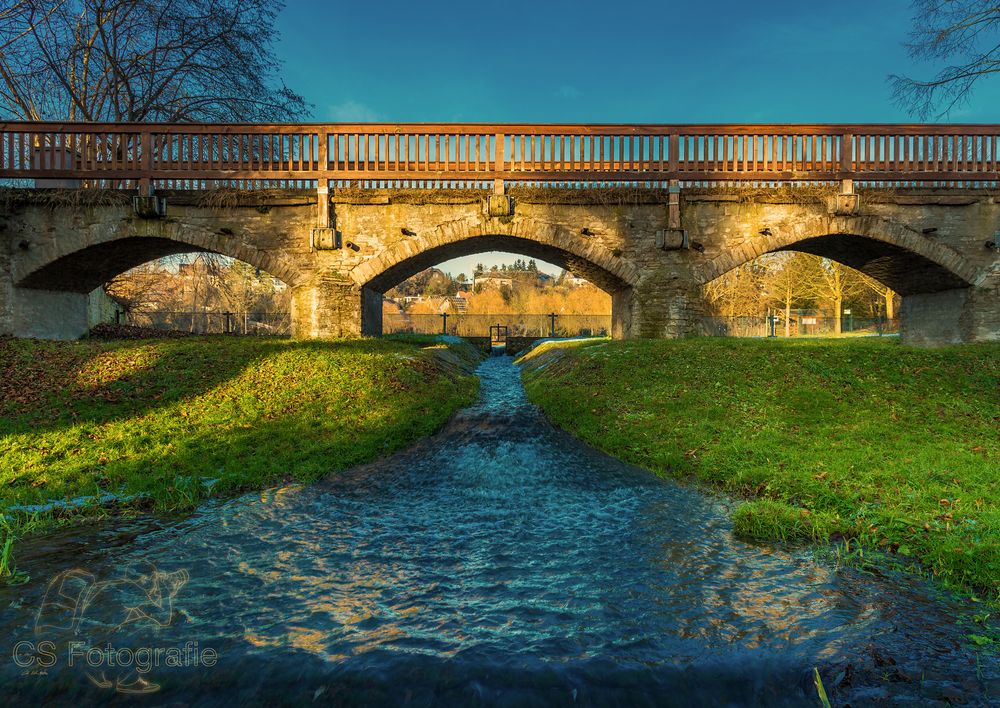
885	297
739	292
834	283
964	36
142	60
788	281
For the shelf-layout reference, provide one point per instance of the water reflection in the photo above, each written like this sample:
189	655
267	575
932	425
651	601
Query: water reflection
502	562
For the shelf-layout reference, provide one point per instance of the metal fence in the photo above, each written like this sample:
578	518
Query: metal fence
252	323
518	325
803	326
537	325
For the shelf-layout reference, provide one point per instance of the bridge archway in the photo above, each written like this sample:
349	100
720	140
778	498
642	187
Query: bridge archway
935	281
546	242
903	259
76	262
57	289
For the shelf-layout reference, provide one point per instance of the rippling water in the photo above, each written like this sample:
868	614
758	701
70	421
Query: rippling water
500	562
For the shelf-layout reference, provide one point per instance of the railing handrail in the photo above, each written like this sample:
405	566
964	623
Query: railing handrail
507	128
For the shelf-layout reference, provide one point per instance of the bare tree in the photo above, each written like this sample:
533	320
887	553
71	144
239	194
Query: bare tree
885	295
245	289
836	283
142	60
787	281
143	289
739	292
964	35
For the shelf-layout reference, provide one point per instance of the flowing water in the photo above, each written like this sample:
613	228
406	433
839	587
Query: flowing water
500	562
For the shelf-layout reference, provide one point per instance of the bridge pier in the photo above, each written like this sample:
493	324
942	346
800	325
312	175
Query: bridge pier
664	305
52	314
622	313
952	316
331	307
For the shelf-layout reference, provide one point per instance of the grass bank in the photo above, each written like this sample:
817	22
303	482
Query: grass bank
162	424
866	442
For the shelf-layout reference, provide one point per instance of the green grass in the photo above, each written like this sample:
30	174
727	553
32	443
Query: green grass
164	424
560	345
892	447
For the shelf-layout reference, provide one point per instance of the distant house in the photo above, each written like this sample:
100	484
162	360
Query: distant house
492	280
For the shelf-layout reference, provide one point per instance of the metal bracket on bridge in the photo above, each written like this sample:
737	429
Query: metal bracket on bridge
149	207
325	239
672	239
847	202
498	205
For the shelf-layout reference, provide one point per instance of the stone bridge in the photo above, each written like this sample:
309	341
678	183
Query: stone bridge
651	239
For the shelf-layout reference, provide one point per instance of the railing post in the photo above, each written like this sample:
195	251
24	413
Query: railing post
146	163
673	147
846	160
499	163
498	153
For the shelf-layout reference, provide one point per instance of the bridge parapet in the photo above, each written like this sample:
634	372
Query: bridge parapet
429	155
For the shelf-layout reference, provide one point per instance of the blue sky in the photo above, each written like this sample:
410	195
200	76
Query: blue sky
711	61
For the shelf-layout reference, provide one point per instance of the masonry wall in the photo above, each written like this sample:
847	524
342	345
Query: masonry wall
926	244
6	295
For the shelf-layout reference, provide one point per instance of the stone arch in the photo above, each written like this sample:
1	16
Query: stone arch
907	261
534	239
81	261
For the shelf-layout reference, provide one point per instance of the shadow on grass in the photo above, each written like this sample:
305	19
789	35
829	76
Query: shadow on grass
251	415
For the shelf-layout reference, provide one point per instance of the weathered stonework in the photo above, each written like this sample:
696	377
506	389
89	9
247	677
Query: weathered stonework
928	246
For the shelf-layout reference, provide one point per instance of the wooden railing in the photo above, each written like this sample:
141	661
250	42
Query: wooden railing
195	156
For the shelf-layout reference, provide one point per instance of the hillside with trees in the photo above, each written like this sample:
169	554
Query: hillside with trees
509	289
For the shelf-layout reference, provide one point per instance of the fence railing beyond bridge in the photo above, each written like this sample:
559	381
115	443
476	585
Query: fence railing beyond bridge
474	325
252	323
523	325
